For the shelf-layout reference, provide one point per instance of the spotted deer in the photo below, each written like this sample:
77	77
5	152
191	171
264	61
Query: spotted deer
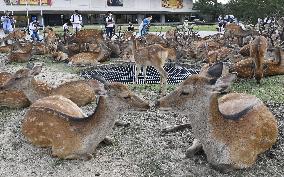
86	36
16	35
11	98
233	129
81	92
154	55
245	68
50	39
23	53
57	122
233	30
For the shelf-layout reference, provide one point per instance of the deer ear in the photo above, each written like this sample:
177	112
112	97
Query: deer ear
216	70
36	70
224	82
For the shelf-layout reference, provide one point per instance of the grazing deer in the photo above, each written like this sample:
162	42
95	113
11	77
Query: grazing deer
11	98
81	92
154	55
258	49
233	129
59	123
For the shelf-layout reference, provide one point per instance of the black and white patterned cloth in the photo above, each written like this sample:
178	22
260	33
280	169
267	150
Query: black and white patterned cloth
125	73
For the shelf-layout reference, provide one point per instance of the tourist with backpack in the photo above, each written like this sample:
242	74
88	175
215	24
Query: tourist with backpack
110	25
144	26
7	22
76	20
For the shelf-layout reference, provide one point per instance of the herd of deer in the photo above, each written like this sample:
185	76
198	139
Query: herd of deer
232	129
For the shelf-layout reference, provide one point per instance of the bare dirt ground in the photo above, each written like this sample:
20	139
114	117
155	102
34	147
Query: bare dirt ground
139	149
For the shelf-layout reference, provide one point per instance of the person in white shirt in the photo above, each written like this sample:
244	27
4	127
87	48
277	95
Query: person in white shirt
76	20
110	24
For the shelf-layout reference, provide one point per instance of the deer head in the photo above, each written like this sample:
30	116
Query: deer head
22	78
196	88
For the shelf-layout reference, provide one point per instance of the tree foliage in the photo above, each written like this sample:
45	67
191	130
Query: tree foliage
209	7
250	10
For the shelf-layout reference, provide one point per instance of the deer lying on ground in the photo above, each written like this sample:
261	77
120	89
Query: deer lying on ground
57	122
153	55
16	35
22	54
86	36
220	54
81	92
11	98
245	68
84	59
258	49
233	129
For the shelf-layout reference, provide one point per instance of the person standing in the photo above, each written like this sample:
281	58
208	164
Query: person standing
34	27
144	26
110	24
8	21
76	20
66	30
130	27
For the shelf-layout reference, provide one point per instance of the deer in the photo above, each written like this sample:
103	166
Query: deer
11	98
233	129
81	92
233	30
16	35
258	49
57	122
154	55
50	39
86	36
271	67
22	54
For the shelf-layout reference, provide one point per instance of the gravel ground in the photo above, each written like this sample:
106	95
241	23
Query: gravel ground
139	149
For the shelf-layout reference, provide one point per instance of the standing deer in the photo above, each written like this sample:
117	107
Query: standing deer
258	49
57	122
233	30
80	92
233	129
154	55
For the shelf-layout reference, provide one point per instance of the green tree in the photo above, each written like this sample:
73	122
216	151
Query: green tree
209	7
250	10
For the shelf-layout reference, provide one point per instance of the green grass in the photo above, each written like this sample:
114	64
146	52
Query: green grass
205	28
270	89
59	30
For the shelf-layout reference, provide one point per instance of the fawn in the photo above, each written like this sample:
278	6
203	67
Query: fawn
154	55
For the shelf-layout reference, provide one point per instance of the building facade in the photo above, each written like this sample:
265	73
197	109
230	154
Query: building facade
55	12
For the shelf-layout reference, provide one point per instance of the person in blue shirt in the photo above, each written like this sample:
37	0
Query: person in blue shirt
144	26
7	21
